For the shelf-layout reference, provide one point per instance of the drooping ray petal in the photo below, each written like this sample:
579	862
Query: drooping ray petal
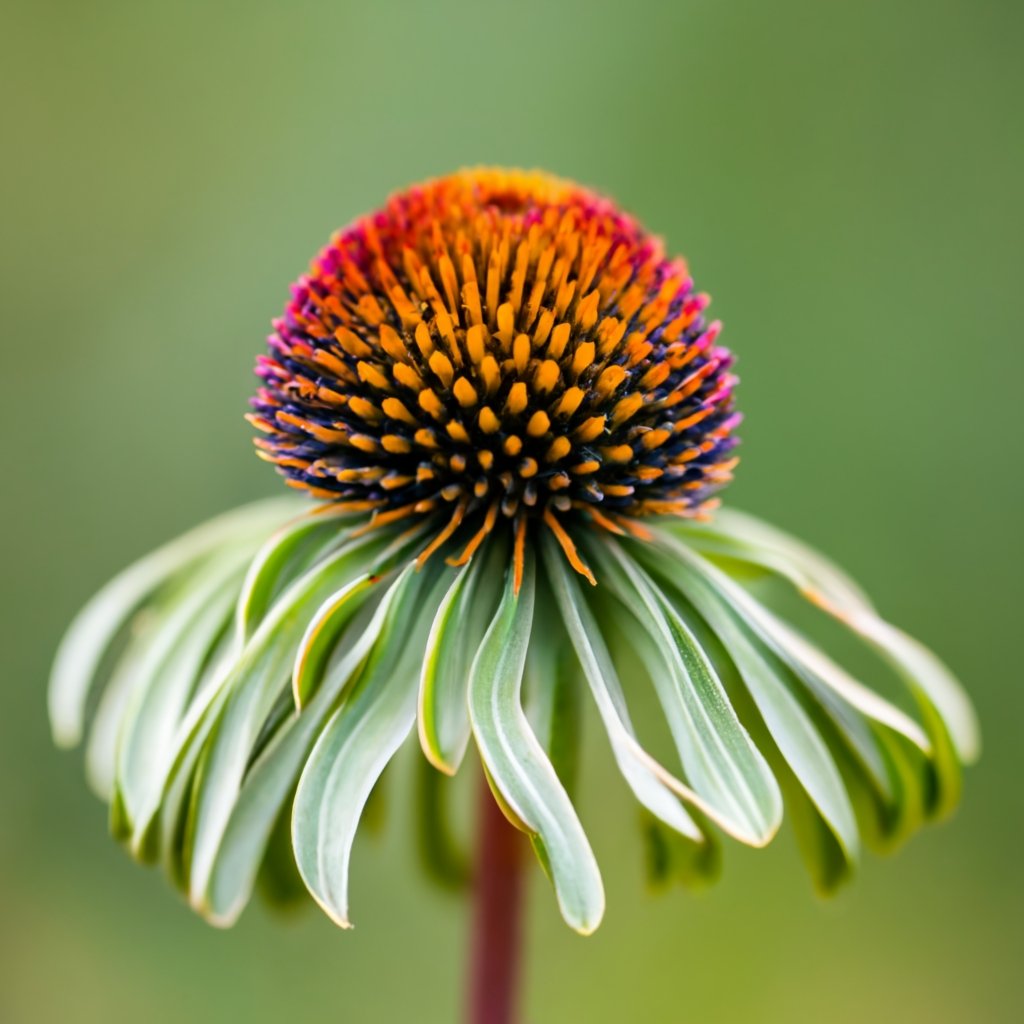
827	855
832	685
96	626
158	825
322	635
101	742
831	590
721	763
167	676
791	728
842	697
255	681
953	737
517	766
821	674
653	785
912	776
552	688
745	537
290	551
927	678
358	742
275	773
459	626
811	664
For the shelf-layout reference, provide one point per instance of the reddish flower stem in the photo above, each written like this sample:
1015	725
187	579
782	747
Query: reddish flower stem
497	917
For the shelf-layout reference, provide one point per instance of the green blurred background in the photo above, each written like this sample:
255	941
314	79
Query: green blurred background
846	181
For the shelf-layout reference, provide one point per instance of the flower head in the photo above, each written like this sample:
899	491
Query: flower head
499	347
503	371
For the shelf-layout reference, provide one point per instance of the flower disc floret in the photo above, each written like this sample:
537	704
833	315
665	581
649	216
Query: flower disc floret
496	347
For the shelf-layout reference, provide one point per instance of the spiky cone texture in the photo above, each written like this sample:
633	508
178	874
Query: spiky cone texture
500	392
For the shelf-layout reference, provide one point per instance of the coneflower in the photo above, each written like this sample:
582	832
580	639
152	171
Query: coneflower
512	418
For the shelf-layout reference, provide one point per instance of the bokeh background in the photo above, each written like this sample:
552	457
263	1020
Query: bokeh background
846	181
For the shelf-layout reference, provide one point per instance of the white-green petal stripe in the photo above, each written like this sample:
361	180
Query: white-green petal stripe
275	773
653	785
517	765
790	726
455	634
720	761
813	666
321	637
926	676
276	560
255	682
356	746
168	675
170	788
90	635
101	743
754	540
928	679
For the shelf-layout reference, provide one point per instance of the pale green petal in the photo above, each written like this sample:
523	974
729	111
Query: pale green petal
927	677
291	551
553	689
828	681
727	773
158	820
254	683
167	676
456	633
789	725
94	629
319	641
822	675
101	743
275	773
357	743
827	857
850	705
653	785
747	538
516	763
